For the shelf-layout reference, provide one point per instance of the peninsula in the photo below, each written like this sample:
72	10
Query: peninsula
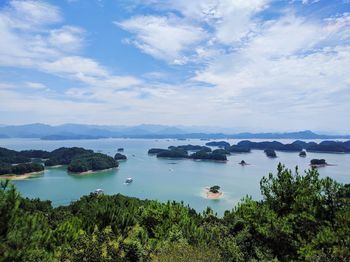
20	165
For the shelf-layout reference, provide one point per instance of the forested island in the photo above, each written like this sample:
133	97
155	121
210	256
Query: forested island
245	146
77	159
11	171
64	155
302	153
91	162
80	160
270	153
214	192
119	156
14	163
300	218
198	152
318	162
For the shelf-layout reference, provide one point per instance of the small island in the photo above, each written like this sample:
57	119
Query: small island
214	193
120	149
318	163
270	153
302	154
243	163
119	156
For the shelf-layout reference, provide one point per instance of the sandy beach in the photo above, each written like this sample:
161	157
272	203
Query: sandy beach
56	166
21	177
213	196
90	172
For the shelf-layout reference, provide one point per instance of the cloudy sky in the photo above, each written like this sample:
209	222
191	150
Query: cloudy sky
250	64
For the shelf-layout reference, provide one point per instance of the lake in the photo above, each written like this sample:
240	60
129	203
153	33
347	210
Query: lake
164	179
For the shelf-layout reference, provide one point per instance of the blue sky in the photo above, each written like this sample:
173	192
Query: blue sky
247	64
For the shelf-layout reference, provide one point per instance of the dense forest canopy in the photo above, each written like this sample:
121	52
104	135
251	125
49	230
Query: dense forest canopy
196	152
8	156
76	158
203	155
6	169
191	148
63	155
300	218
91	162
245	146
318	162
119	156
156	150
173	153
221	144
270	153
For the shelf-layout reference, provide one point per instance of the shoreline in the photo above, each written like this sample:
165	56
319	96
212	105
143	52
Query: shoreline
56	166
90	172
22	176
212	196
215	196
322	165
209	160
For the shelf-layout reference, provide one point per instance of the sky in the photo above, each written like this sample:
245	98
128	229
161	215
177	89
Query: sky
247	64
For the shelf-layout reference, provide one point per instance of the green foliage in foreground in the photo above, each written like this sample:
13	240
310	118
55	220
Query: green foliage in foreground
300	218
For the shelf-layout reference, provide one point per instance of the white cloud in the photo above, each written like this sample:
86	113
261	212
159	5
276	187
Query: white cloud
35	85
67	38
24	26
89	72
74	65
31	15
193	36
285	36
309	1
287	73
165	38
31	39
293	69
5	86
231	20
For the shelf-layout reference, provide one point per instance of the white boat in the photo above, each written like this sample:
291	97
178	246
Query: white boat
128	180
99	191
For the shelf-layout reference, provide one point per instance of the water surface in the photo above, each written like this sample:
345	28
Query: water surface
164	179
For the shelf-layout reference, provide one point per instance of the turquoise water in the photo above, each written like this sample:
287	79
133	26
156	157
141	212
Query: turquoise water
163	179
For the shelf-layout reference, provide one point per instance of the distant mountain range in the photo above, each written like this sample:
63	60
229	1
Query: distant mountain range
79	131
